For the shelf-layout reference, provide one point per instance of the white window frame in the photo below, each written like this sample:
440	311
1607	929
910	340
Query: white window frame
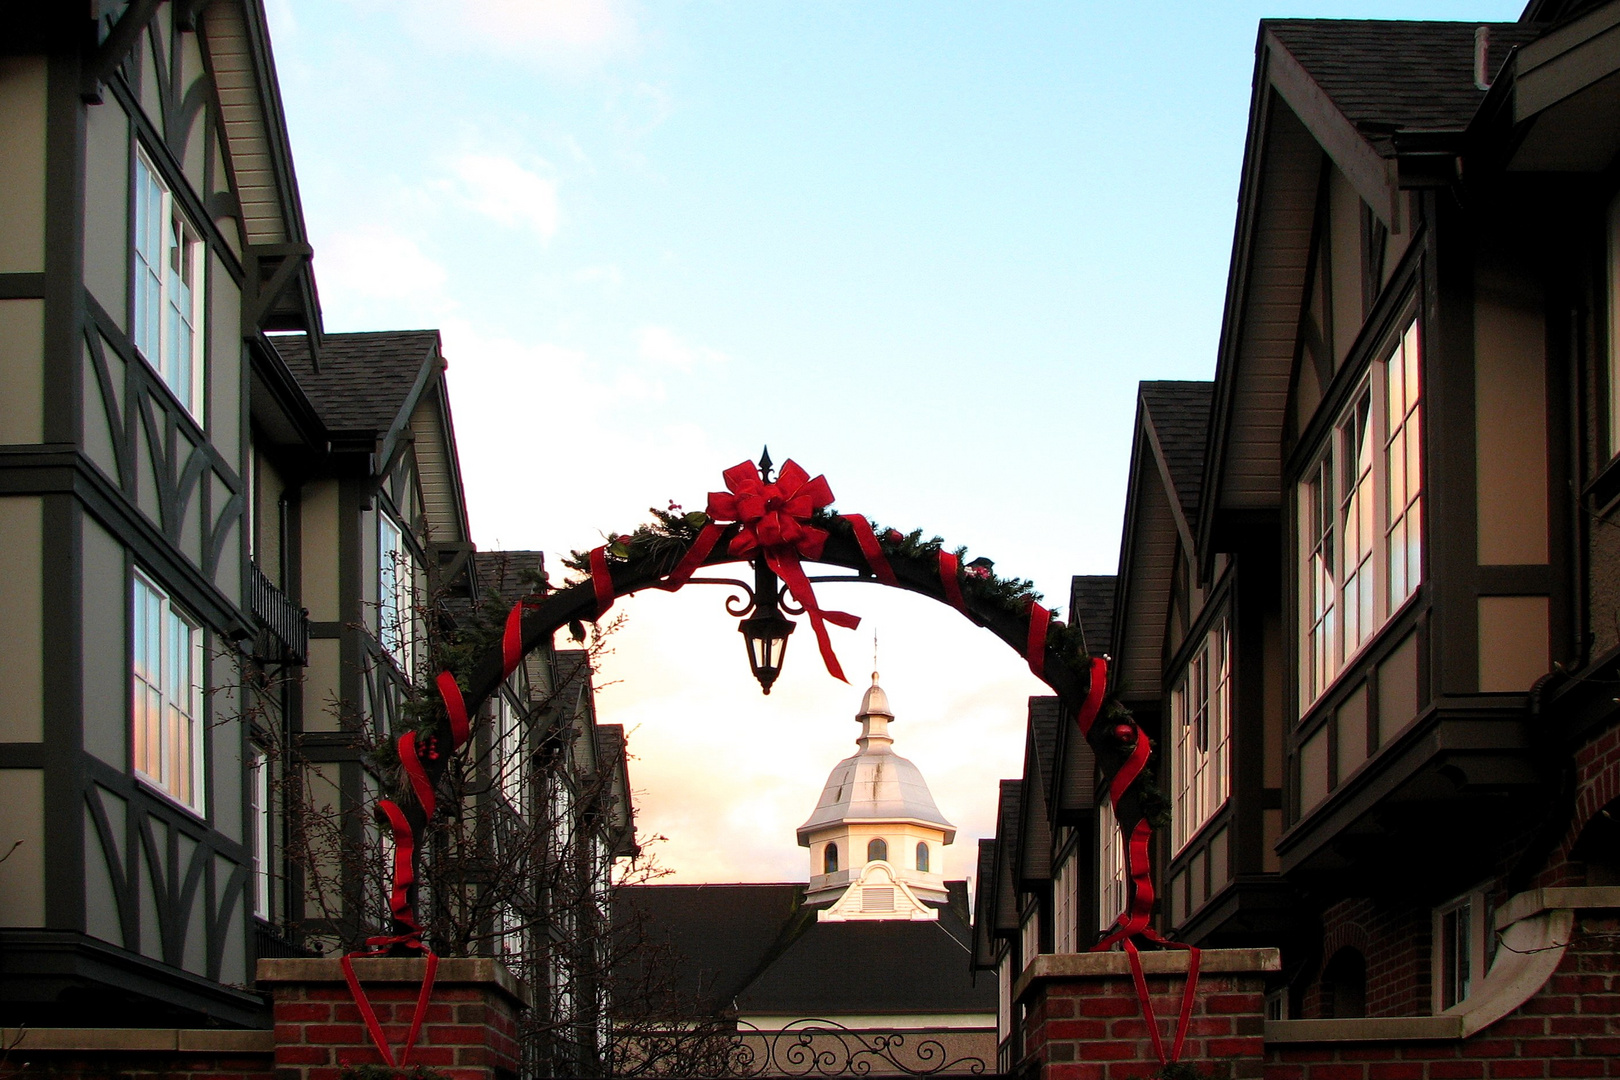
166	714
396	608
1201	713
1360	513
167	252
1112	892
510	760
1462	949
259	823
1066	931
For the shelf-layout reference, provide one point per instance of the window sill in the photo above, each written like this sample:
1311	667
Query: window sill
146	784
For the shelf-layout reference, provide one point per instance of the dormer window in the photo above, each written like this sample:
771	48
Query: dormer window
1361	518
829	859
877	850
922	856
168	272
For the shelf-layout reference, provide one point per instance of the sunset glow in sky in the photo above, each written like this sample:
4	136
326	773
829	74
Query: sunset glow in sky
925	248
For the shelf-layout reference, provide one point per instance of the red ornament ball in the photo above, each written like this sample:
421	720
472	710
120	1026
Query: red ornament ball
1124	734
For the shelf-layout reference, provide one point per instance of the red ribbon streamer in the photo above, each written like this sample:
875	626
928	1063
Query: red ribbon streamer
601	581
369	1015
949	567
1094	695
1133	921
411	760
455	707
868	541
694	557
1035	650
512	640
773	520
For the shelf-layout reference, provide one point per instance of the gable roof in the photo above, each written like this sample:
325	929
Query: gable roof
1389	78
984	949
1091	607
1040	744
1177	416
366	383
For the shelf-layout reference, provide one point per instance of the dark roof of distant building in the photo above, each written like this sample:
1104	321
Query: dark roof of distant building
364	380
758	948
1043	727
1179	412
1390	76
510	573
1091	604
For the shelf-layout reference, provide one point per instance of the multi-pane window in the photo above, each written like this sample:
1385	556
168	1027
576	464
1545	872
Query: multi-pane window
168	262
1361	517
1110	866
395	607
510	764
259	828
167	659
1201	710
1065	899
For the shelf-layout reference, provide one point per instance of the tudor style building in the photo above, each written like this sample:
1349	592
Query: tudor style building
225	534
1366	602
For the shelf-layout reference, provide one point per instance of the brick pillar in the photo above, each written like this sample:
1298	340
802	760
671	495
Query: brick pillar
469	1033
1082	1019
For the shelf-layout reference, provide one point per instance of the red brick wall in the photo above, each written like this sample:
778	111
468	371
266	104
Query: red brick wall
1092	1028
1395	943
1597	783
469	1031
1570	1028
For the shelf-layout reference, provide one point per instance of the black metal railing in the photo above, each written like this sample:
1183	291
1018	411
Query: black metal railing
288	624
269	941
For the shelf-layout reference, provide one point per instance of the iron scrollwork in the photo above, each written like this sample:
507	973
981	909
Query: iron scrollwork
814	1047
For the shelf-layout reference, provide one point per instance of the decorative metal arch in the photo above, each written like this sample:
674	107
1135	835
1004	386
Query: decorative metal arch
664	557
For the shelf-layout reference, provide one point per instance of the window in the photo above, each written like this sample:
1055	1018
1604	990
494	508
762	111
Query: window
259	828
922	856
829	859
1361	518
1029	939
1110	866
877	850
168	260
1201	705
510	762
167	696
1461	947
395	622
1065	896
1344	985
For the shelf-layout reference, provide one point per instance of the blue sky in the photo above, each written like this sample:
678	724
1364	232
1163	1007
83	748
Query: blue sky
927	249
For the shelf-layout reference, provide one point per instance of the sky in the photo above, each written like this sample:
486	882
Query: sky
927	249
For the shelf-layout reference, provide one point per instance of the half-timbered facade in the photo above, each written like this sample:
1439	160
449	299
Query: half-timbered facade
227	539
1366	601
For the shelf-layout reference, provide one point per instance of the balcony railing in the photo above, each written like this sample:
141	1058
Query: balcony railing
286	623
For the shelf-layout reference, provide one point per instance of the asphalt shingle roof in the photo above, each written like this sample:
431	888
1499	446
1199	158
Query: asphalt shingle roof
363	379
1179	412
1387	76
1043	726
1091	604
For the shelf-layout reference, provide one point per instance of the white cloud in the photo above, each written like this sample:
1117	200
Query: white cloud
550	33
372	273
661	345
506	192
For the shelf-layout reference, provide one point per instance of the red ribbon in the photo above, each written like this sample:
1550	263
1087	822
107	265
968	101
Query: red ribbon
949	567
512	640
369	1015
773	520
1092	705
601	581
1133	921
699	551
868	541
1035	650
455	707
411	760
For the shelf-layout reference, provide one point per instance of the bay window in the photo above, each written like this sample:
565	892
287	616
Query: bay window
1201	715
1111	892
1361	517
167	699
167	271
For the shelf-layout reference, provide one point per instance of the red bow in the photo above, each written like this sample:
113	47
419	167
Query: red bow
774	520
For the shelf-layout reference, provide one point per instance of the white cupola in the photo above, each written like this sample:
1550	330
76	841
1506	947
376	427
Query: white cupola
876	827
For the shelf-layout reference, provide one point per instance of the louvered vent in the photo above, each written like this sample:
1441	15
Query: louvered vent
875	899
